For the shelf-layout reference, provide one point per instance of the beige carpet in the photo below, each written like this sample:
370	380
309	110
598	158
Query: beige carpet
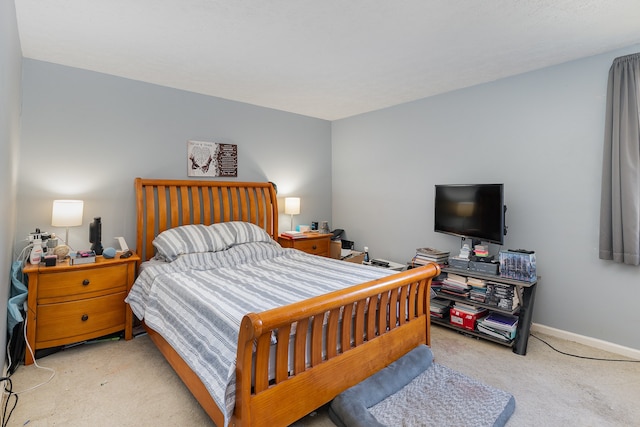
120	383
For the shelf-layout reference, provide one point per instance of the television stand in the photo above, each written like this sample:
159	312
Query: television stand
526	294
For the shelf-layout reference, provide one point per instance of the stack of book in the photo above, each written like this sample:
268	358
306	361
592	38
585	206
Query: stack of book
429	255
469	308
502	296
436	282
456	285
440	308
481	250
82	257
497	325
478	292
294	234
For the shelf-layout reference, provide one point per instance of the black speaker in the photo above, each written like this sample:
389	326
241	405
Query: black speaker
95	235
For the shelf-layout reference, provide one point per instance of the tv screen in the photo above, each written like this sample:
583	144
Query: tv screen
473	211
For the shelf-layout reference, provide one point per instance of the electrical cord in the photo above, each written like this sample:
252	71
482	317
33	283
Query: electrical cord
8	388
582	357
24	253
35	363
7	393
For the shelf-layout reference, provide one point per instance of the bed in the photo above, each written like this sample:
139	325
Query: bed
289	359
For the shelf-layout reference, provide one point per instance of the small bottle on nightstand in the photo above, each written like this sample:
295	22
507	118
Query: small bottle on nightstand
366	254
36	251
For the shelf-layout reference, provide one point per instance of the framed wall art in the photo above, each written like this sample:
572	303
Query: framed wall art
212	159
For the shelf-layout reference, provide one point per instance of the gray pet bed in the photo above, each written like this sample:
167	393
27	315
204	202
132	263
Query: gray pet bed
415	391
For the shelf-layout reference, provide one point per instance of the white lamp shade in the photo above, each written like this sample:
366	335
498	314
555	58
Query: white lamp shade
292	205
67	213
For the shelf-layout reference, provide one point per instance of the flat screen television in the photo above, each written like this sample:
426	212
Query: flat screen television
471	211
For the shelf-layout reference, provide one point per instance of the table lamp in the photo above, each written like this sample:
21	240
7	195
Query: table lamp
67	213
292	207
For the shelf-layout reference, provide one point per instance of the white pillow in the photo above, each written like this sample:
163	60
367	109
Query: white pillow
192	238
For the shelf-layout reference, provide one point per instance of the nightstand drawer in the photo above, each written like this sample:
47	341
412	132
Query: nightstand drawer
84	319
78	283
313	246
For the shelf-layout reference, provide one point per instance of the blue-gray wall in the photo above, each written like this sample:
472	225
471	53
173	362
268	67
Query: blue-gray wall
541	134
10	81
87	135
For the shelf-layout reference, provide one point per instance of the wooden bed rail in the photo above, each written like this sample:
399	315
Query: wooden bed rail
387	317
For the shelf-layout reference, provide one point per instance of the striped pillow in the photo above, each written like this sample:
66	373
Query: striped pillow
192	238
242	232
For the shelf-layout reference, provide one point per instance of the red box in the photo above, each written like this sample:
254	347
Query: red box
464	319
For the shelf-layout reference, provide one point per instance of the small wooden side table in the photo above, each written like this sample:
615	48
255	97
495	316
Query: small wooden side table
314	243
72	303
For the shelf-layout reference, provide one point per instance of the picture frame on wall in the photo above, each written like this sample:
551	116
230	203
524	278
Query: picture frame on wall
211	159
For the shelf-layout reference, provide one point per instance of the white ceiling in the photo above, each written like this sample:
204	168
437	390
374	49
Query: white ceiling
326	58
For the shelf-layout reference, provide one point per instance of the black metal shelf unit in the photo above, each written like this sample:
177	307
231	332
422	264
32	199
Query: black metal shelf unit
526	293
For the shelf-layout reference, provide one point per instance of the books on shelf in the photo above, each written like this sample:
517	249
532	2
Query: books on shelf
429	255
456	279
457	293
481	250
432	252
495	333
477	283
502	295
501	321
439	308
468	308
498	325
455	285
478	295
82	257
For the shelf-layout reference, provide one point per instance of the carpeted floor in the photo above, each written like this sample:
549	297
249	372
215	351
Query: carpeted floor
128	383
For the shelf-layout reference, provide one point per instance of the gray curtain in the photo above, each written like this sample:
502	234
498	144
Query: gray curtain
620	203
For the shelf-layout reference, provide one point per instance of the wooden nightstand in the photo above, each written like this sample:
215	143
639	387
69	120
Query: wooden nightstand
315	244
72	303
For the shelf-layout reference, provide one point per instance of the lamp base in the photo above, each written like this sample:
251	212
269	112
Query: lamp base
97	248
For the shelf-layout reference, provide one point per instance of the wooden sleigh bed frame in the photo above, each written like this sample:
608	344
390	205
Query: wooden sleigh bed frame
320	375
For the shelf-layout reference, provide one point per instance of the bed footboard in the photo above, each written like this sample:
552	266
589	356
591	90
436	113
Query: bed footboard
353	333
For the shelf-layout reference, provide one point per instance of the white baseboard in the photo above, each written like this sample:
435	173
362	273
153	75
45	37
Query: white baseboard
591	342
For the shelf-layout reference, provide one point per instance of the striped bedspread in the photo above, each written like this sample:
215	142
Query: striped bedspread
198	301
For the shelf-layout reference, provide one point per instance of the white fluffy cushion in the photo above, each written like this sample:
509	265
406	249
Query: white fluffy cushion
193	238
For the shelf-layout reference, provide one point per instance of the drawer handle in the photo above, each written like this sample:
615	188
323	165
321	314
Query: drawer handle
85	282
315	247
85	317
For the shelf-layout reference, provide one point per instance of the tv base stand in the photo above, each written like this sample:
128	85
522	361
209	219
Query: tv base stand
524	311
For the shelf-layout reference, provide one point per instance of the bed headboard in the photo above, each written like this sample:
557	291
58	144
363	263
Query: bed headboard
163	204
